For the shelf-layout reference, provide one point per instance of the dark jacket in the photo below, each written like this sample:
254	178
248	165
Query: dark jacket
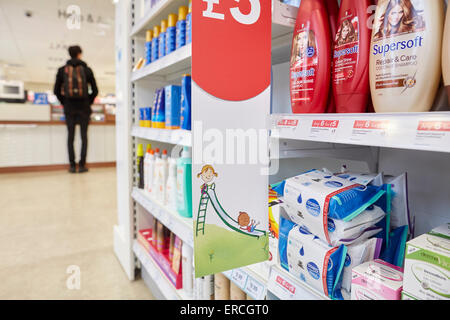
72	105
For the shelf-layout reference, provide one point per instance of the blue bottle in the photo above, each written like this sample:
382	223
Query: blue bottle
148	46
162	39
155	43
185	112
189	24
171	33
181	26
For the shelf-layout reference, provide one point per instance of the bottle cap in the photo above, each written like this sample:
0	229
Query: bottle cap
149	35
172	20
156	30
164	152
157	150
186	152
149	147
182	13
152	152
186	75
140	150
163	25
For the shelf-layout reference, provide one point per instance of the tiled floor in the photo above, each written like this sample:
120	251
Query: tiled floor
50	221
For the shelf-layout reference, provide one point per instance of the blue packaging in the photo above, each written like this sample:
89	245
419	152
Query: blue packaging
189	28
148	52
181	33
310	259
173	106
148	117
162	45
185	112
141	117
155	49
171	39
159	115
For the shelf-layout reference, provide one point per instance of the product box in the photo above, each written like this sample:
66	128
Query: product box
376	280
144	237
173	106
442	231
147	117
427	267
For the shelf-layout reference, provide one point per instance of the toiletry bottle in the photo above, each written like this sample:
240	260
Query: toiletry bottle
333	12
184	184
181	27
162	39
155	174
185	110
171	33
150	171
208	288
146	165
187	255
350	77
310	59
171	187
148	46
446	54
164	175
405	55
140	165
157	194
155	43
189	24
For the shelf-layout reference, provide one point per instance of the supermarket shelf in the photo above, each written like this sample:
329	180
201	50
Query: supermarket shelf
155	14
416	131
249	282
157	275
284	286
163	69
177	137
180	226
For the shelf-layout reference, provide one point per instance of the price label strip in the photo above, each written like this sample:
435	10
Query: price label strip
433	134
239	278
323	129
370	131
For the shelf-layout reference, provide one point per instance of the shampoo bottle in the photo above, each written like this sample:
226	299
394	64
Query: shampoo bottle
164	175
155	174
171	187
446	54
162	39
171	33
155	43
333	12
405	55
146	165
148	46
184	184
150	171
140	165
310	59
351	57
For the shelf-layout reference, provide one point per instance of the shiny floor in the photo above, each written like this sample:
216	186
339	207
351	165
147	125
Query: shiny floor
56	235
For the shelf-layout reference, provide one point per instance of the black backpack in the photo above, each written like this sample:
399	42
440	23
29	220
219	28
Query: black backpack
74	82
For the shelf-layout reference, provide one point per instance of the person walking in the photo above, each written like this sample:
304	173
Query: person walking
71	89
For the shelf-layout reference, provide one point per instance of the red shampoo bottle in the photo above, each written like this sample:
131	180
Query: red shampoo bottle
333	13
351	51
310	59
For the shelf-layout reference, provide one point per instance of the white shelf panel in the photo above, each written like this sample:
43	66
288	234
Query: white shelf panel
182	227
157	275
175	62
249	282
155	14
428	131
284	286
177	137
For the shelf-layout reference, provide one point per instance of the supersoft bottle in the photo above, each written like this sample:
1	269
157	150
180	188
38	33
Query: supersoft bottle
446	54
310	59
405	54
350	77
333	13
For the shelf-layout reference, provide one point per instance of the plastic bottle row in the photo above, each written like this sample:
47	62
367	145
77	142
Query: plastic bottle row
366	56
171	34
171	107
167	180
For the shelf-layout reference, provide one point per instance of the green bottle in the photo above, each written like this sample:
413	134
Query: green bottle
184	183
140	165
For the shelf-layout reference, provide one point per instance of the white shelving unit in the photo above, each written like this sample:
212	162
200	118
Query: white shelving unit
180	226
157	275
176	137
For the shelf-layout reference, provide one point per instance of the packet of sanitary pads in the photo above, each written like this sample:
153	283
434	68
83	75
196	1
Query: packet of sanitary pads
310	259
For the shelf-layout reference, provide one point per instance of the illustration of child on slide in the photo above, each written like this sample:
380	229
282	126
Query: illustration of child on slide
245	223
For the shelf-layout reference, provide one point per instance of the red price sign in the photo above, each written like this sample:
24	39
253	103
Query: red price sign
333	124
438	126
286	284
371	125
231	47
287	123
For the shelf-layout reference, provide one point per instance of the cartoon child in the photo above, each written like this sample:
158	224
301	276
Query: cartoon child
207	175
245	223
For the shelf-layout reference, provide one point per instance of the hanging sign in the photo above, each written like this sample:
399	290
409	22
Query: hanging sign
231	62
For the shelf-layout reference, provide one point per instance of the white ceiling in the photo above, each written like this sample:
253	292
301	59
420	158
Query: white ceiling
32	48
